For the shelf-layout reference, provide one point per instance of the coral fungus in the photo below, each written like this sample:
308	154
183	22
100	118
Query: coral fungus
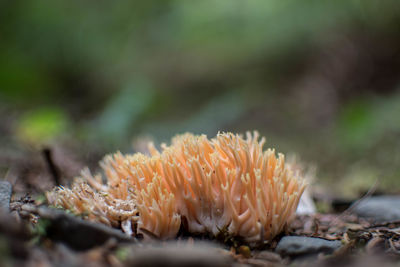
228	183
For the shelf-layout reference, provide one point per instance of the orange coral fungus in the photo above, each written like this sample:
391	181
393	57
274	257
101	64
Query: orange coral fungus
228	183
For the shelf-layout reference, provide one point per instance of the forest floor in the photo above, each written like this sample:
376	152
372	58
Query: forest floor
350	233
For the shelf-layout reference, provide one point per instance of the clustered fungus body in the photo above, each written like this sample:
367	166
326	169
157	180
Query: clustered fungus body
207	185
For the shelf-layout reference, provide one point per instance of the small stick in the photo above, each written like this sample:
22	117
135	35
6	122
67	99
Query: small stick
51	166
355	204
385	224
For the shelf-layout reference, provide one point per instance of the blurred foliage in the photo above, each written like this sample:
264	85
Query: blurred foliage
40	126
364	121
317	78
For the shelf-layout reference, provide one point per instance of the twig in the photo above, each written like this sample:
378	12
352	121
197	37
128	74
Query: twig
385	224
315	234
355	204
51	166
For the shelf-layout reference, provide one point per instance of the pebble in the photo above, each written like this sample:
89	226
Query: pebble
379	209
294	246
5	195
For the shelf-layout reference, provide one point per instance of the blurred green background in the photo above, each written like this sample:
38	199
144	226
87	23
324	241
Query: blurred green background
318	78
